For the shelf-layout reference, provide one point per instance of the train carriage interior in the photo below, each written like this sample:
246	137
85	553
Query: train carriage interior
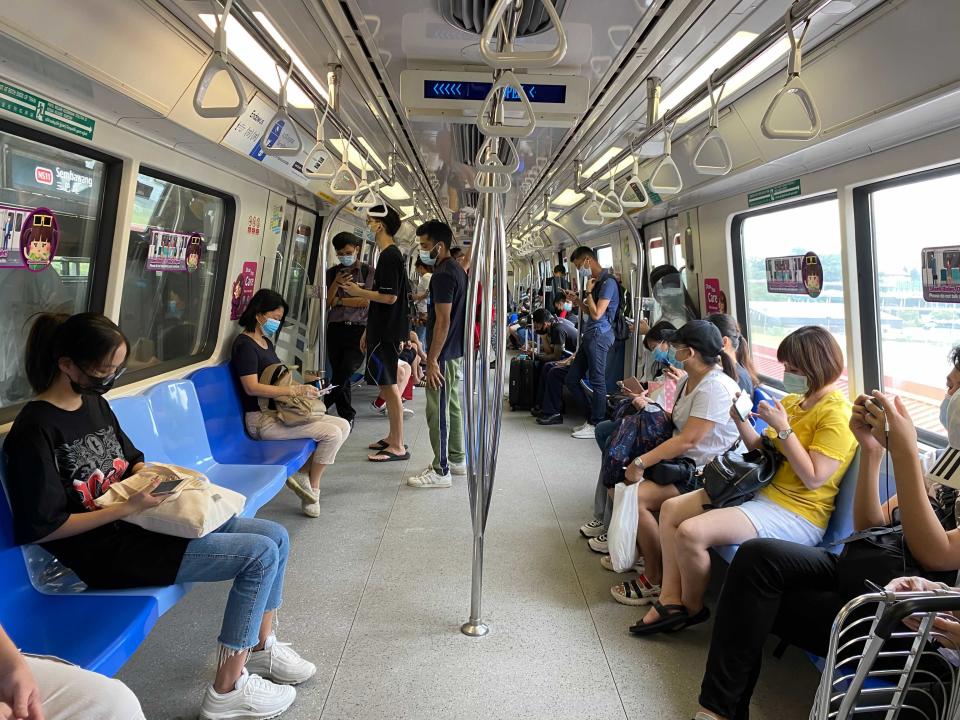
163	163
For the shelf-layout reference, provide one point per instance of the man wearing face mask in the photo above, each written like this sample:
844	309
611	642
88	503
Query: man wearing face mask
558	283
388	326
346	321
599	308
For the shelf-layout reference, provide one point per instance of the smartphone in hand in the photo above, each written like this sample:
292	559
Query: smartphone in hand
744	406
166	487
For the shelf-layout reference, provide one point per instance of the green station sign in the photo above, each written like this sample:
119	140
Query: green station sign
774	194
44	111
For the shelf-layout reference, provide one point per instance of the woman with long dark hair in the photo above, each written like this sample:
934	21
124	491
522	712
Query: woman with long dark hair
737	349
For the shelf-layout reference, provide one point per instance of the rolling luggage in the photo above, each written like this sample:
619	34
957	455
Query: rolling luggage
523	382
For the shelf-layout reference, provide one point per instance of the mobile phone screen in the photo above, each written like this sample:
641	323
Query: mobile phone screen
166	487
327	389
744	406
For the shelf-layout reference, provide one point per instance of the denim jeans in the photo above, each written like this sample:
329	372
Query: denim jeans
550	394
591	363
251	552
602	503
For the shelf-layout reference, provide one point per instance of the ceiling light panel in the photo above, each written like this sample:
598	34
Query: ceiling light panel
297	61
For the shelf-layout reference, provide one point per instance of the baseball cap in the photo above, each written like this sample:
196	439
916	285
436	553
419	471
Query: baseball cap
701	335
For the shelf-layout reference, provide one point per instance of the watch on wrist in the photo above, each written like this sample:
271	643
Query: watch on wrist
638	463
784	434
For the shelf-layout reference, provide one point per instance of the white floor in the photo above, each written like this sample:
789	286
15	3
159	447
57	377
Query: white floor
378	586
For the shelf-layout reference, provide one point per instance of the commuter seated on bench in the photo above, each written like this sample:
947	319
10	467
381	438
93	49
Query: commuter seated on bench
33	687
66	448
738	350
809	428
794	592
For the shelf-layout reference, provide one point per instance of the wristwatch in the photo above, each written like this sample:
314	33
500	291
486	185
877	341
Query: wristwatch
784	434
638	463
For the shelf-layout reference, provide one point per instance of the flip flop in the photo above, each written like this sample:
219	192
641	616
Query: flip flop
381	444
388	457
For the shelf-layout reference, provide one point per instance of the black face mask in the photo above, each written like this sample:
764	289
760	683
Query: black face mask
96	386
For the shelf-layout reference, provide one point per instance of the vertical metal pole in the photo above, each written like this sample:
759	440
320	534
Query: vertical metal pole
635	285
324	246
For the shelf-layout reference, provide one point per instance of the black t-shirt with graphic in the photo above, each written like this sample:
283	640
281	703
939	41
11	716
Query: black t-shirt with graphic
449	285
248	358
58	463
389	323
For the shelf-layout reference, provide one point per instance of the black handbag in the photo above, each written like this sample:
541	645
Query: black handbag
733	478
671	472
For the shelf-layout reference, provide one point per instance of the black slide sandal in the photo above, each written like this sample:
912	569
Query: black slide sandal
388	457
381	444
672	617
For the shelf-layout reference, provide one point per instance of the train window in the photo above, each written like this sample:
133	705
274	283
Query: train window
40	171
906	322
605	256
780	287
175	273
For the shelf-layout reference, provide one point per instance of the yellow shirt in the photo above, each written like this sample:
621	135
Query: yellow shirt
825	429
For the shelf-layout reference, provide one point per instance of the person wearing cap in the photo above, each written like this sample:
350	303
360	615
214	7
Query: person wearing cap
810	428
703	429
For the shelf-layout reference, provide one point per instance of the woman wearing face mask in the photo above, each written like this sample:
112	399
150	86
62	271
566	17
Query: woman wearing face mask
253	352
810	429
64	451
656	354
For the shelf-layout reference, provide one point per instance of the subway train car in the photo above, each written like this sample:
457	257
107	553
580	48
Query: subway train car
223	225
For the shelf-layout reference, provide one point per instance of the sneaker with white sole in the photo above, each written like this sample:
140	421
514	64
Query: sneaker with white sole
587	432
578	428
311	509
280	663
430	478
408	411
380	409
299	482
252	698
459	469
599	544
592	529
607	564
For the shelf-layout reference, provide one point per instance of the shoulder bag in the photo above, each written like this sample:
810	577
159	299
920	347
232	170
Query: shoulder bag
733	478
290	410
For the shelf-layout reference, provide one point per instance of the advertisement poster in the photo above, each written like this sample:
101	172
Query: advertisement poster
941	274
173	251
11	227
242	290
39	238
716	301
795	275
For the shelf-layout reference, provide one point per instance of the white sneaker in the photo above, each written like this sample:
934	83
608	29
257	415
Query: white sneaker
592	529
407	410
299	482
311	509
599	544
280	663
429	478
459	469
578	428
587	432
607	564
380	409
252	698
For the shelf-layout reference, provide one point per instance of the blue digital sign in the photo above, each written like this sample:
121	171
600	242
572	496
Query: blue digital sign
452	90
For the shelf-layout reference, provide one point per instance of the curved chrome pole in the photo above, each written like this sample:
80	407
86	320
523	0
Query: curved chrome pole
636	282
324	245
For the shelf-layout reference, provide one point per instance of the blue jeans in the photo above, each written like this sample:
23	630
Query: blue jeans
421	331
252	553
602	503
591	362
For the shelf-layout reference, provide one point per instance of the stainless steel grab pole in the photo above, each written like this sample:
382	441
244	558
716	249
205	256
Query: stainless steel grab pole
324	246
635	285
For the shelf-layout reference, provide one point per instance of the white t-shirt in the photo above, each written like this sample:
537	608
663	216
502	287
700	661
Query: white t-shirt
709	400
423	287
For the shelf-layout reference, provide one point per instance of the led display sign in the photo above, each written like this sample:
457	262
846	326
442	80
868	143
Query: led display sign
452	90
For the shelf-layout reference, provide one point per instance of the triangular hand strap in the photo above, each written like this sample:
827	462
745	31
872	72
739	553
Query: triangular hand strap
514	59
500	129
215	65
793	86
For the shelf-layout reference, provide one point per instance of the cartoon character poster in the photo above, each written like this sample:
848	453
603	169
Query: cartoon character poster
169	251
242	290
941	274
795	275
11	227
39	238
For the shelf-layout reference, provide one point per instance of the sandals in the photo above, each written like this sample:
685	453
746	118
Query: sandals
636	592
381	444
673	617
384	456
607	564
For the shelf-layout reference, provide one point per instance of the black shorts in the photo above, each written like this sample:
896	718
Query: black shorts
382	360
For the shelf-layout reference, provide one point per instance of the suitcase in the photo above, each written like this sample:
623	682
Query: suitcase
523	382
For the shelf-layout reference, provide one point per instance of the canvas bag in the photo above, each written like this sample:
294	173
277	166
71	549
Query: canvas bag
195	508
289	410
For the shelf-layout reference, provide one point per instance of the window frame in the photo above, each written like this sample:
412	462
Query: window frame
866	267
737	260
106	219
225	245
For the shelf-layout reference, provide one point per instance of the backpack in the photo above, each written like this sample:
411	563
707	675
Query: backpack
289	410
621	329
637	434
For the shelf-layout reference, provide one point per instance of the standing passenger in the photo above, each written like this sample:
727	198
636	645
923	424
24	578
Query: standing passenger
445	329
346	321
388	326
422	297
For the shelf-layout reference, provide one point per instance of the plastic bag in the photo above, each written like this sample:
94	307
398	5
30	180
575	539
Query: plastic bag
622	533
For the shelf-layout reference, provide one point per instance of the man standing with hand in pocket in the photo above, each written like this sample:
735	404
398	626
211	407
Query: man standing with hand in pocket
445	330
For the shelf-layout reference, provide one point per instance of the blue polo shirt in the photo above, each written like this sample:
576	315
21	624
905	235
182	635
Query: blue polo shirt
604	288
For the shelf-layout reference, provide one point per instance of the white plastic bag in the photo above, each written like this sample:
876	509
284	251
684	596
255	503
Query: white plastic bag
622	533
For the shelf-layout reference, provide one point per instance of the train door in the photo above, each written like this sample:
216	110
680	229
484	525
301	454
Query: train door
282	251
295	280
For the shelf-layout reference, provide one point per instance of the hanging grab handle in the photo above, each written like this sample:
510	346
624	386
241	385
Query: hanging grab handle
514	59
591	215
489	182
635	184
281	121
712	138
507	82
344	181
367	196
794	86
610	207
666	179
318	155
488	161
216	64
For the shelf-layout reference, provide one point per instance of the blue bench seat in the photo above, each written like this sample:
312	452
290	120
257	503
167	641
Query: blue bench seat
219	397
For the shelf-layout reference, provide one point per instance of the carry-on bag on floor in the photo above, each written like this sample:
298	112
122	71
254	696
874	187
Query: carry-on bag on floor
523	382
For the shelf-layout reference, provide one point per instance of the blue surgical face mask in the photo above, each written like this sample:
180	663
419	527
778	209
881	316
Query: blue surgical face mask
427	258
944	407
568	306
662	356
795	384
347	260
584	271
270	326
172	307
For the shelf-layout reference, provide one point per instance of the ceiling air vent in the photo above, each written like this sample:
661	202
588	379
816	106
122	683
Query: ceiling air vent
470	15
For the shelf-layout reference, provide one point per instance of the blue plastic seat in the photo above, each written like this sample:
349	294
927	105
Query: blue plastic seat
176	411
82	628
219	398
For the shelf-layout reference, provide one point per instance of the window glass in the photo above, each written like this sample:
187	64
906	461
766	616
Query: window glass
170	304
915	336
791	231
605	256
35	175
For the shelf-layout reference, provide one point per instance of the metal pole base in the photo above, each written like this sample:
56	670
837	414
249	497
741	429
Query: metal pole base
474	629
